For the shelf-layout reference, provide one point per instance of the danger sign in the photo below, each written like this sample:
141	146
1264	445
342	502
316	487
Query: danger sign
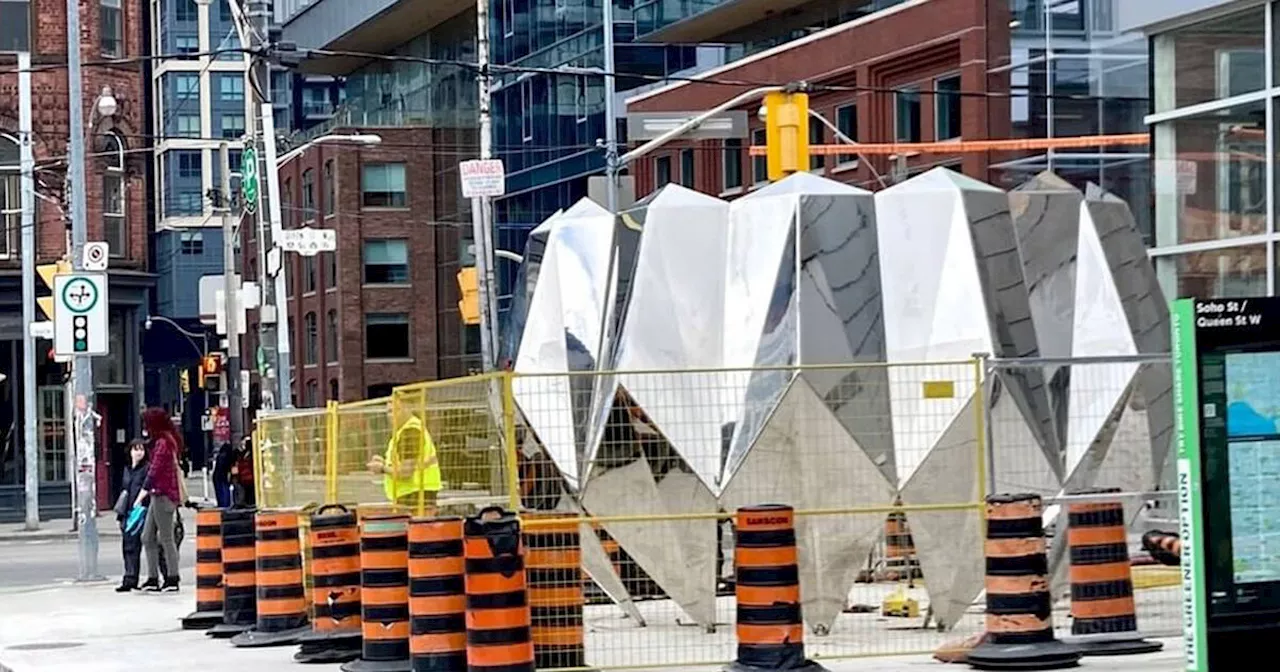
482	178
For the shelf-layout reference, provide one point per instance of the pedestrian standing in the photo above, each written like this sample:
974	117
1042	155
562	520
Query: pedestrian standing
223	460
135	473
165	489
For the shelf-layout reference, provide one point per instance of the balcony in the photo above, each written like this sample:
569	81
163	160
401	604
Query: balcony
702	20
371	26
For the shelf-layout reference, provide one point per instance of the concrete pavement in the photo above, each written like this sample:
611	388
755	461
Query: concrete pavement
66	628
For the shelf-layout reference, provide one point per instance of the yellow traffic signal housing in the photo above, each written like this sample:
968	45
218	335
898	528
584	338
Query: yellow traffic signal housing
786	133
46	273
468	285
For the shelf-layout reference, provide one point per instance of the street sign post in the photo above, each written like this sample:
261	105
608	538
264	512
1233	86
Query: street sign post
482	178
249	179
308	241
80	314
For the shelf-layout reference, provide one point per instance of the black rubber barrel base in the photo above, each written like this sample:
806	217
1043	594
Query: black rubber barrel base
331	638
227	631
201	620
1123	647
335	651
803	666
251	639
362	665
1041	656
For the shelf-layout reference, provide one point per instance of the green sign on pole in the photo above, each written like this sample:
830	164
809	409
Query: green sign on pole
1186	406
249	179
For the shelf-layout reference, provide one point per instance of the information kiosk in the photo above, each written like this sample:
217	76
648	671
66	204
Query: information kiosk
1226	378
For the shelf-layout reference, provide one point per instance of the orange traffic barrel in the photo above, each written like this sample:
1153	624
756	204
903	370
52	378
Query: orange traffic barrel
498	617
553	569
1019	605
1104	618
770	626
437	596
208	611
239	574
384	595
898	544
335	588
282	593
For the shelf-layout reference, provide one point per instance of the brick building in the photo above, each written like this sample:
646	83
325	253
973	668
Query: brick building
884	68
116	191
382	310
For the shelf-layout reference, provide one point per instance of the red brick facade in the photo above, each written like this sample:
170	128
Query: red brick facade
867	60
50	124
430	296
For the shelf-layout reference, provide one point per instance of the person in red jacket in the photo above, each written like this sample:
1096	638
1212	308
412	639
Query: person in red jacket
164	487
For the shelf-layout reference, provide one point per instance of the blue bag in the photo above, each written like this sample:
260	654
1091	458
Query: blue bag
137	516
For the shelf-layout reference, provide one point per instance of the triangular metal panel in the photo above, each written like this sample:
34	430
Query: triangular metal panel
948	544
805	458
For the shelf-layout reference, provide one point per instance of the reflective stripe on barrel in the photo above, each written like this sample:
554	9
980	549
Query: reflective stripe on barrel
498	616
209	560
1019	605
553	568
769	622
239	569
282	596
384	587
1101	586
335	572
437	596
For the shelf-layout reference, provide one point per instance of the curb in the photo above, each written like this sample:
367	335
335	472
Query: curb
50	535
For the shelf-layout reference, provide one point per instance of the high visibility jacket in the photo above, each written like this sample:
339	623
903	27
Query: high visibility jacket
425	478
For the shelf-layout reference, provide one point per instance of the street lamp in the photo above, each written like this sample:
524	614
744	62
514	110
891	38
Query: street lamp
107	105
359	139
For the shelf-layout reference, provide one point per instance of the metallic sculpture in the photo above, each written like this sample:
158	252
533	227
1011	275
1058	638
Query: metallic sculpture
707	326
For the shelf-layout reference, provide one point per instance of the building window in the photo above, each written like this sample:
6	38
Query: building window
231	88
286	205
15	25
330	270
312	398
333	389
847	122
308	195
386	336
759	164
187	85
946	108
330	190
580	98
309	323
732	163
508	18
331	337
661	172
382	185
113	197
907	115
188	125
10	196
817	136
191	243
686	167
233	126
386	262
186	44
526	110
308	275
111	28
184	10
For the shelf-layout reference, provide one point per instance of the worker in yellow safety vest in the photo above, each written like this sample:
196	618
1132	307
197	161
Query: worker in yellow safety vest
410	468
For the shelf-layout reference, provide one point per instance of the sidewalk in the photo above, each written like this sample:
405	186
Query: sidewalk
61	528
75	628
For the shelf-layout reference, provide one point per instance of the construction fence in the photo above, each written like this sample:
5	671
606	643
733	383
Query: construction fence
886	465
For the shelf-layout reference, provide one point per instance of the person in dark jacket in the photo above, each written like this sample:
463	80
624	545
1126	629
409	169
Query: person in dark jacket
223	461
131	482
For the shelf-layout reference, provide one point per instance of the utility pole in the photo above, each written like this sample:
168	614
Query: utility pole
612	167
84	423
482	208
31	450
273	336
231	296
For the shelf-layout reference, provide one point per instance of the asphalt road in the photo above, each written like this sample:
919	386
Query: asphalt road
40	563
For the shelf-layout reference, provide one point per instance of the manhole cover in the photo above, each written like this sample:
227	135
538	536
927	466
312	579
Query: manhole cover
45	646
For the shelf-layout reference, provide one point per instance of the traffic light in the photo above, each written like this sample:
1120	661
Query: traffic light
210	368
469	306
786	133
80	333
46	273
